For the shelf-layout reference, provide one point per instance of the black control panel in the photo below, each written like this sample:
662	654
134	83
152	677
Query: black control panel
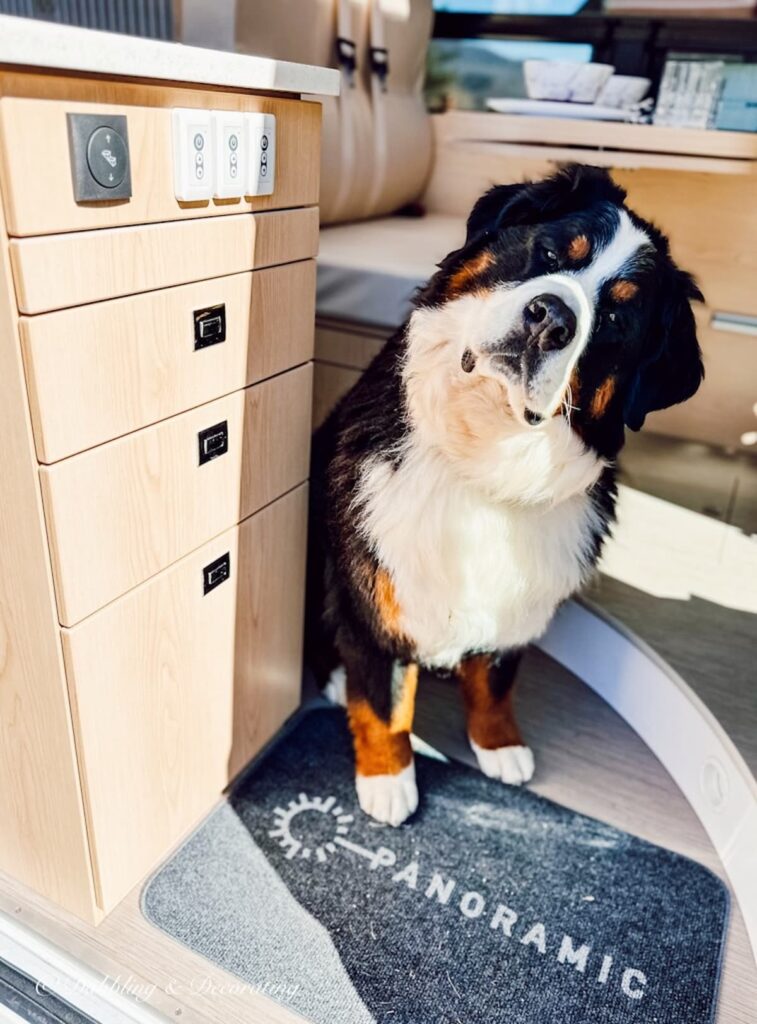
100	167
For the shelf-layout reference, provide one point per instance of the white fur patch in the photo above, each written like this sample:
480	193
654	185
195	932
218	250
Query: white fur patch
513	765
335	689
389	799
481	552
615	258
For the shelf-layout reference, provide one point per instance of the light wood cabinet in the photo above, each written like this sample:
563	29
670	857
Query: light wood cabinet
154	494
160	731
138	361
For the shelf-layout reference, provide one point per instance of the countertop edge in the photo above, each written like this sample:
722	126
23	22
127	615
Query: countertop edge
27	42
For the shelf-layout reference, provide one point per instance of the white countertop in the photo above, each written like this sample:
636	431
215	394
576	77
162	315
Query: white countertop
43	44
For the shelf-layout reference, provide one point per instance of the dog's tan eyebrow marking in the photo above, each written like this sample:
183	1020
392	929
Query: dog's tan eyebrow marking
579	248
602	397
469	273
622	291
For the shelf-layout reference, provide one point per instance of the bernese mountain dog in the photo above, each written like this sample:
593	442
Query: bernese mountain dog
463	488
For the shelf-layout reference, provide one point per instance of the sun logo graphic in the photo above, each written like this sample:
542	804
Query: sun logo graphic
318	825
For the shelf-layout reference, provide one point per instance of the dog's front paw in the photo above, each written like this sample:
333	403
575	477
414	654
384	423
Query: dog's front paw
389	799
513	765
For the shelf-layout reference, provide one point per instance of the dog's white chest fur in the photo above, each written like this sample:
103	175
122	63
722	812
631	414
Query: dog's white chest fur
474	572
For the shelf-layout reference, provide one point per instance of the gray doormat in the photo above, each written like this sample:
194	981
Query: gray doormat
490	905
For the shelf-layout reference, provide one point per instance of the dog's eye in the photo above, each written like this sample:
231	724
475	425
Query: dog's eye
551	258
612	317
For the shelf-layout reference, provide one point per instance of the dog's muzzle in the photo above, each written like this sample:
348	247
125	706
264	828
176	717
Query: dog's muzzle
541	348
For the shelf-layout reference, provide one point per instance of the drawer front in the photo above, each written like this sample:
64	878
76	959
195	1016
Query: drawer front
195	683
59	271
38	182
99	371
119	513
723	408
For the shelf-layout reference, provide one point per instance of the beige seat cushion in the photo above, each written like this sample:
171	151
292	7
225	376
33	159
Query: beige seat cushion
368	272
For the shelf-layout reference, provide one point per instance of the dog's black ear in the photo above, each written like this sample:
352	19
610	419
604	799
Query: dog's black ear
571	189
672	369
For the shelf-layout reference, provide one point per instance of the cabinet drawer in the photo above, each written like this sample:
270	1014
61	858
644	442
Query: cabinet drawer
99	371
38	183
68	270
174	689
119	513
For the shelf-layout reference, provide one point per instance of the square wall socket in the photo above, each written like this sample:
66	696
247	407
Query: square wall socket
261	143
223	154
230	152
192	155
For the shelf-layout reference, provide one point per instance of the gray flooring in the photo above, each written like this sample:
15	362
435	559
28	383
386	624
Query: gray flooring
709	480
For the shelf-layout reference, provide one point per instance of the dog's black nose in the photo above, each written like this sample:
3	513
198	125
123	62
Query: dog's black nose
549	322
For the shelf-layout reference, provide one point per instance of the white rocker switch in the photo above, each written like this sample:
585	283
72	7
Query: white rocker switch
230	152
192	155
261	141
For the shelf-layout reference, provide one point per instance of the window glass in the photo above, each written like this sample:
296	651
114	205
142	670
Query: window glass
462	73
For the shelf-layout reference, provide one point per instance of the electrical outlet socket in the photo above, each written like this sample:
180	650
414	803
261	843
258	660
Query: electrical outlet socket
230	152
261	154
193	163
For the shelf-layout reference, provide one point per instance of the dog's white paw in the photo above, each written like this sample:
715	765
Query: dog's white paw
513	765
389	799
335	689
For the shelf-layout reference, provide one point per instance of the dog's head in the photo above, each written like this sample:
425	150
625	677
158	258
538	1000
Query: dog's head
571	301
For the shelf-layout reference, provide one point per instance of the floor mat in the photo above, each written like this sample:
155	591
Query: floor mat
490	905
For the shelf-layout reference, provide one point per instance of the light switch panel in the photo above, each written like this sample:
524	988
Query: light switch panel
230	153
261	149
192	155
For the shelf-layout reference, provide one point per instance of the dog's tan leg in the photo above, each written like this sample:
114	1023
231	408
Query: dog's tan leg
381	724
487	685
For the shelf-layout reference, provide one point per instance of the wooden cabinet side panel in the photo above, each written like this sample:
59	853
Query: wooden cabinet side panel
43	837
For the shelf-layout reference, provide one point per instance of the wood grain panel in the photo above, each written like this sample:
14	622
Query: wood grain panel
199	682
58	271
712	225
35	166
330	383
43	838
344	346
121	512
99	371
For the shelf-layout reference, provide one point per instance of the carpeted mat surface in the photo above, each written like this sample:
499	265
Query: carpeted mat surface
490	905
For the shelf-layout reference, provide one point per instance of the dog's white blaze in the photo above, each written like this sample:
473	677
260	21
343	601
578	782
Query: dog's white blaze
614	258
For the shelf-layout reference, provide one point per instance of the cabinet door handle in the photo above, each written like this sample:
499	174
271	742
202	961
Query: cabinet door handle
214	573
736	323
210	326
213	441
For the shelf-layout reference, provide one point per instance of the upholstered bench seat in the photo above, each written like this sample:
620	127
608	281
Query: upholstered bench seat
368	271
